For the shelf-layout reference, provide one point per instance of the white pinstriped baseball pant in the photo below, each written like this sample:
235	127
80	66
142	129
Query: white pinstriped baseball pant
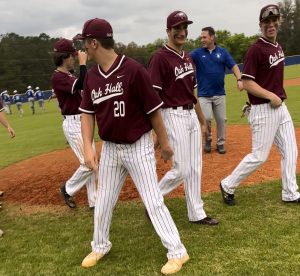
137	159
83	175
184	135
269	125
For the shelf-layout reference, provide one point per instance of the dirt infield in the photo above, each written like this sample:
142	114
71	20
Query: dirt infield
36	181
292	82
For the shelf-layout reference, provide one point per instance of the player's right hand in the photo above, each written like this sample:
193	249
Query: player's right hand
90	159
11	132
166	153
275	101
82	57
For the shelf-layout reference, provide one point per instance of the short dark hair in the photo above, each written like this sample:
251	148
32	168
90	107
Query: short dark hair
210	30
58	58
106	43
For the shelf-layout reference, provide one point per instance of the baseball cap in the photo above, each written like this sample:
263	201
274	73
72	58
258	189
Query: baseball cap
269	11
177	17
64	46
95	28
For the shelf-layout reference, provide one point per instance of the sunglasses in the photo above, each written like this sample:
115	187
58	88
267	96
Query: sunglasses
270	11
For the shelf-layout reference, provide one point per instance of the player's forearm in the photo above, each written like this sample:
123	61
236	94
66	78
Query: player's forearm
3	120
87	129
256	90
200	114
159	128
80	80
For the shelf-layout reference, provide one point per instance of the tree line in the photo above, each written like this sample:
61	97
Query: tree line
27	61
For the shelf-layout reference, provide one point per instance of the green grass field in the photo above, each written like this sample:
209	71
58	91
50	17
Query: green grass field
259	236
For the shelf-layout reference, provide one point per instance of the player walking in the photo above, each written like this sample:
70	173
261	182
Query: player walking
269	118
119	95
17	98
38	94
67	89
6	101
173	76
30	96
11	132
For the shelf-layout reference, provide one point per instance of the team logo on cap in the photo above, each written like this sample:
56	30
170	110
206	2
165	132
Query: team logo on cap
181	15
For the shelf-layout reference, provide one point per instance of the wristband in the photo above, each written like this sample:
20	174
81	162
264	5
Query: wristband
239	80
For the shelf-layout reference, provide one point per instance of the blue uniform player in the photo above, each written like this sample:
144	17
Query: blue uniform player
39	95
18	101
6	101
30	96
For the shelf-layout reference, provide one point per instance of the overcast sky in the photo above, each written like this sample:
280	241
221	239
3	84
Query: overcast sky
141	21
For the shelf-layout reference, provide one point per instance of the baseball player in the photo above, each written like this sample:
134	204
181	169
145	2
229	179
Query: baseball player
119	95
269	118
5	123
6	101
18	101
173	76
38	94
11	132
67	89
30	96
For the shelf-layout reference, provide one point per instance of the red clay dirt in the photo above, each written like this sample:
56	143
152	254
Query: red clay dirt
36	181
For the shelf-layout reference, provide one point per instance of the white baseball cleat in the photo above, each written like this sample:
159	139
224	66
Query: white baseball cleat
174	265
91	259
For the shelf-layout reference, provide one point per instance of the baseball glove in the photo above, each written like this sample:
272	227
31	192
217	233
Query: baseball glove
246	110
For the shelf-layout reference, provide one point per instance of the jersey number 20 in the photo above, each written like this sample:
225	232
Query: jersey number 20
119	109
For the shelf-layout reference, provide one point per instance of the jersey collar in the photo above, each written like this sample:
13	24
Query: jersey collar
173	51
116	65
268	42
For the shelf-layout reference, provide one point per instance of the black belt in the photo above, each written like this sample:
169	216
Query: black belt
185	107
71	116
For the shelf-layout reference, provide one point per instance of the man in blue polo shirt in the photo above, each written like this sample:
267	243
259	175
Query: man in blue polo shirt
210	61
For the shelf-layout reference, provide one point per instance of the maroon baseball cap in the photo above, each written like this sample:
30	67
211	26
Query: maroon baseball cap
95	28
176	18
269	11
64	46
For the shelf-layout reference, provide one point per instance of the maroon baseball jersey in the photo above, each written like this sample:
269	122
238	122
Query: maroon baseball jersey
173	76
264	63
1	106
121	98
68	99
